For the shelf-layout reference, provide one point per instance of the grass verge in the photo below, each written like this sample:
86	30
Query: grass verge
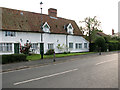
38	56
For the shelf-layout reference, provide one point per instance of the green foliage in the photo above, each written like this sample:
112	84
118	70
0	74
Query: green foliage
106	39
93	47
60	47
113	46
50	52
26	48
100	43
91	26
37	56
13	58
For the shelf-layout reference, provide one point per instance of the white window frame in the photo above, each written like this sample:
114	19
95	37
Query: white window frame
34	46
79	45
72	45
6	47
46	29
49	45
70	31
85	46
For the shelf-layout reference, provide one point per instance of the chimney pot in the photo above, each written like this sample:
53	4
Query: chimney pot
113	32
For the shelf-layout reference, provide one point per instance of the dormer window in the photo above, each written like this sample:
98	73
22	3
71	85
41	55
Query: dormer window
46	27
69	29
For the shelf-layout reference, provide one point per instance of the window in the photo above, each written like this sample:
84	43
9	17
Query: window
85	45
46	27
78	45
5	47
10	33
34	46
70	45
1	48
50	46
70	29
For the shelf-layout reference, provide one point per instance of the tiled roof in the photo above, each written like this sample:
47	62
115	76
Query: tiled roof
101	34
28	21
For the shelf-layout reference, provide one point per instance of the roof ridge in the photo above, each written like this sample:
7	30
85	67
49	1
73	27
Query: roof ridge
34	13
31	21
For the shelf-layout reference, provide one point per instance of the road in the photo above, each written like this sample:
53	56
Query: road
90	72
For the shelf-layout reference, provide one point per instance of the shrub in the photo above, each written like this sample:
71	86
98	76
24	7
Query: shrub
13	58
114	46
92	47
100	42
50	52
26	48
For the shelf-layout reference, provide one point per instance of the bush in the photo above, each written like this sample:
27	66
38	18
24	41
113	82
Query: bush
114	46
92	47
50	52
66	52
13	58
100	42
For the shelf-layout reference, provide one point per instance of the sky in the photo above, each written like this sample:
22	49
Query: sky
105	10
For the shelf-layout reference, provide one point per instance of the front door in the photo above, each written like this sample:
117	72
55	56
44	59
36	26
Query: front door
16	48
41	48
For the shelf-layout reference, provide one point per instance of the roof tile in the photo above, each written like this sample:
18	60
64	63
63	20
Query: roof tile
30	21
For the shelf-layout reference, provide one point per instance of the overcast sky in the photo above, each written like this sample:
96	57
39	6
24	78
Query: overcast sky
105	10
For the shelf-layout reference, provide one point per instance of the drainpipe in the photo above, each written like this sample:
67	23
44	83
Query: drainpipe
67	42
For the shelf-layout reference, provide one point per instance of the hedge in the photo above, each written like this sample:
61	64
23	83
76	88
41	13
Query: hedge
13	58
110	46
113	46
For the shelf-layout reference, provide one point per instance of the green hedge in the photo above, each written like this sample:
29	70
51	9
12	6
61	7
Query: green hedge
92	47
110	45
13	58
113	46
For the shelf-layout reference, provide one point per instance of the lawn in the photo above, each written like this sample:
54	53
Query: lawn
113	41
38	56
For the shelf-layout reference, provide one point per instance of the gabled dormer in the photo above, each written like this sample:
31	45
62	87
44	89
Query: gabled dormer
46	27
70	29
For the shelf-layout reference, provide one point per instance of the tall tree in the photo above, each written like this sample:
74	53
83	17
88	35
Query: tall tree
91	25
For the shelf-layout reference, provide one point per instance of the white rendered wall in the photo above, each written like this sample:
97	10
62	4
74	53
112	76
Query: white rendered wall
33	37
77	39
55	39
61	39
47	38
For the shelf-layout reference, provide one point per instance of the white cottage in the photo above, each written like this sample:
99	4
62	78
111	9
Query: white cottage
43	31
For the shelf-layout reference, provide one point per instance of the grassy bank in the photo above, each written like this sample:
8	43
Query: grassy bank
38	56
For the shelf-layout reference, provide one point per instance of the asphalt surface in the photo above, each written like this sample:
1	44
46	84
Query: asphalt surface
92	71
36	63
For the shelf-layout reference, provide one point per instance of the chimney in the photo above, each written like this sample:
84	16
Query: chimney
52	12
113	32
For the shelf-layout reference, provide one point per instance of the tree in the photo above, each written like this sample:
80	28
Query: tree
91	26
100	43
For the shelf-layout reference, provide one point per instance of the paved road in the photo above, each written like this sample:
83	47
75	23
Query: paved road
91	72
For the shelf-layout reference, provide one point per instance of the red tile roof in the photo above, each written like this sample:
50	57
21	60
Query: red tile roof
29	21
101	34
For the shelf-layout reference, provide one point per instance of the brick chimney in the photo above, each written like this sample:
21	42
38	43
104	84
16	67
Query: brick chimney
52	12
113	32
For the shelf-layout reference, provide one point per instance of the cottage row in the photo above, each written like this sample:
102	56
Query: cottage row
41	30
